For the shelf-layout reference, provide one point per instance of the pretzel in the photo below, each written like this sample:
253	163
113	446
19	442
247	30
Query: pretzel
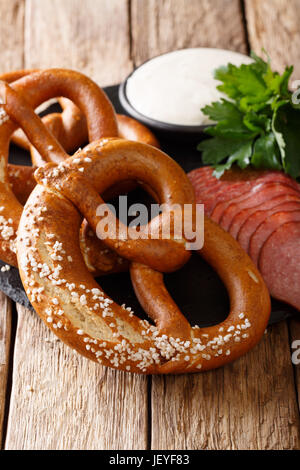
39	87
70	128
20	177
21	180
73	305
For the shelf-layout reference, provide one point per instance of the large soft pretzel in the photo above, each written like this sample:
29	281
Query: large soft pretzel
37	88
70	126
63	126
73	305
70	129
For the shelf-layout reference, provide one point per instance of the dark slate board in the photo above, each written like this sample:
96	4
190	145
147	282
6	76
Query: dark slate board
196	288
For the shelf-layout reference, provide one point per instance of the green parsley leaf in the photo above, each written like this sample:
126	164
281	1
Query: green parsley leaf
258	125
241	157
266	153
216	149
230	121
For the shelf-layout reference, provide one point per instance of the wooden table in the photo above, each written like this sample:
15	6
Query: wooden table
51	398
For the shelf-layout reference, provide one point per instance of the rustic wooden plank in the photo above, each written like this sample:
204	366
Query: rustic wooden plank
88	36
160	26
11	58
60	400
274	26
5	336
11	35
250	404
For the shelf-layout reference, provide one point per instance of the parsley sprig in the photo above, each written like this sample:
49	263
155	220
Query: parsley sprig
258	125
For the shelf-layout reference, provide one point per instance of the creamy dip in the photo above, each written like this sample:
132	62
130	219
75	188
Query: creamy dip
173	87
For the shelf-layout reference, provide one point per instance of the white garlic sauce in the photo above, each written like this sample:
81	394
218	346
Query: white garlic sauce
173	87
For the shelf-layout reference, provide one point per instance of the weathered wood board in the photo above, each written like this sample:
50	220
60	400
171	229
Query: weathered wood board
5	341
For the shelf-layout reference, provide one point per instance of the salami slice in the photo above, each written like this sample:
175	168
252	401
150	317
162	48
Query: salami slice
241	219
220	208
211	191
258	217
254	198
270	224
279	263
261	209
249	220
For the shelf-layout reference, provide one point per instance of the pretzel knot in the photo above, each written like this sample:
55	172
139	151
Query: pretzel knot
95	119
74	306
70	126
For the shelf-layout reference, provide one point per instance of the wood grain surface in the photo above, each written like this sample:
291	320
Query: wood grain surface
12	56
5	340
249	404
12	35
90	36
274	26
59	400
162	26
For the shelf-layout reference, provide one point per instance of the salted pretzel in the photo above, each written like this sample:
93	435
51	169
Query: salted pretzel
39	87
20	177
73	305
70	126
70	129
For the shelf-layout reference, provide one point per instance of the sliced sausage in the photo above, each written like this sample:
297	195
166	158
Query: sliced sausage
212	191
258	195
256	215
279	263
241	219
221	207
270	224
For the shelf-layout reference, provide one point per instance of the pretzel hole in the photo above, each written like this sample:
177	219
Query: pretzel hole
51	106
204	306
134	195
20	156
199	292
118	285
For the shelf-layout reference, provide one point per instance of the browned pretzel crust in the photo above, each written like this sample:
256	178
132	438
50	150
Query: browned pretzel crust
39	87
70	126
70	129
74	306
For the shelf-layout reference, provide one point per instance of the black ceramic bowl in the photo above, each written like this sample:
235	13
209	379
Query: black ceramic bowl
161	129
168	130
